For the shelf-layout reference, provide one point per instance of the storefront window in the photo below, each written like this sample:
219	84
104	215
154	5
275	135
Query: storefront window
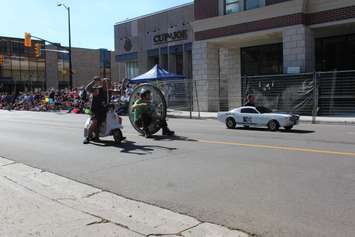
152	61
132	69
231	6
251	4
179	64
262	60
335	53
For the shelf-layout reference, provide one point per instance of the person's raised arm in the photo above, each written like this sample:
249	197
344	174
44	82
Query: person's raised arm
89	87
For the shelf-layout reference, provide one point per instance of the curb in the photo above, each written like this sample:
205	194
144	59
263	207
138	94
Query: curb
305	121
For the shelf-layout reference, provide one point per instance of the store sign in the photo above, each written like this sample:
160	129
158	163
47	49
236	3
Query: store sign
170	37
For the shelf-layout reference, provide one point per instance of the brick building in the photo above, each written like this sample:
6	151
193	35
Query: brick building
87	63
22	70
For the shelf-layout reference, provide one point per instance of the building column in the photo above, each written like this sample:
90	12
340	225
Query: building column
230	74
205	73
299	48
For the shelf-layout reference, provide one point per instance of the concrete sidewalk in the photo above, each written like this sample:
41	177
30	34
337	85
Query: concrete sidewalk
37	203
304	119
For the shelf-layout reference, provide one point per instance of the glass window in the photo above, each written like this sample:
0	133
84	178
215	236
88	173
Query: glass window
25	67
41	70
335	53
248	111
262	60
6	68
16	68
132	69
179	64
251	4
231	6
63	68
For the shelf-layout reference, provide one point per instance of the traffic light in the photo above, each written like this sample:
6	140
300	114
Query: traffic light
1	59
28	41
38	47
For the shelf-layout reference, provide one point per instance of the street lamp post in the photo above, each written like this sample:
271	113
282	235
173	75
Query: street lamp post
70	51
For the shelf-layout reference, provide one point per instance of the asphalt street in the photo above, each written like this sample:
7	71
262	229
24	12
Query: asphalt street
299	183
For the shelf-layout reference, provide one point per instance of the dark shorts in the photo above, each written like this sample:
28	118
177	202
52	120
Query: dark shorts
144	121
99	117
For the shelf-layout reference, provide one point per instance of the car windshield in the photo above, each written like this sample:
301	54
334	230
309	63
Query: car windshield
263	109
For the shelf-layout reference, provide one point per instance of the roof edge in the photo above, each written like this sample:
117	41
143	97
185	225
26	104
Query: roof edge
154	13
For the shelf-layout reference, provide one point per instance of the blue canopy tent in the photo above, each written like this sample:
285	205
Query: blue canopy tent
156	74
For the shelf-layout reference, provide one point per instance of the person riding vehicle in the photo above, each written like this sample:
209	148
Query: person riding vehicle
100	91
251	101
143	112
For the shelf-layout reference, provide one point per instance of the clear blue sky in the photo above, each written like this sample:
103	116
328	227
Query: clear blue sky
92	21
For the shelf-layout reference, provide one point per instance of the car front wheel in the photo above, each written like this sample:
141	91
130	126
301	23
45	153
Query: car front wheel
273	125
230	122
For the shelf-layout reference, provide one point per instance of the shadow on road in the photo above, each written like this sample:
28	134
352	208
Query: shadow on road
281	130
131	147
173	138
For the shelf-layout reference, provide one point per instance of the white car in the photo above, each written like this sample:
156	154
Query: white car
250	116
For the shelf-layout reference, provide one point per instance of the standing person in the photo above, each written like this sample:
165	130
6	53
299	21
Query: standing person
251	101
51	94
99	90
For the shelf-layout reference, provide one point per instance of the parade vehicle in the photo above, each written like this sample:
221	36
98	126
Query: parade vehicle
257	117
157	103
111	127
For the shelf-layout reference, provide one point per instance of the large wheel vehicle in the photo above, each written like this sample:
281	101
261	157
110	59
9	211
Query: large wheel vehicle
157	103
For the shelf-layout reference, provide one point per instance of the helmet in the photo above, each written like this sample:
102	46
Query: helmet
144	91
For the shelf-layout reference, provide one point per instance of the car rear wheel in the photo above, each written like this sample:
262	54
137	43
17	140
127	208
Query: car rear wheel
230	122
273	125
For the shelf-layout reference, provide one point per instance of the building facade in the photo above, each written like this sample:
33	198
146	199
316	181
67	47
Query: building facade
219	43
163	38
235	38
86	64
22	70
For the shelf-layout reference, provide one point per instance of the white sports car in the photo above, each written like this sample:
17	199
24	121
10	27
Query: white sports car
250	116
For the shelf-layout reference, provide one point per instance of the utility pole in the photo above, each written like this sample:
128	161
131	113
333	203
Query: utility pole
70	49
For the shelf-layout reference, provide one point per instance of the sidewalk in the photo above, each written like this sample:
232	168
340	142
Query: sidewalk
37	203
304	119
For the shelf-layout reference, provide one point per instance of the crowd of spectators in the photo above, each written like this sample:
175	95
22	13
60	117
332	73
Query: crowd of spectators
72	101
52	100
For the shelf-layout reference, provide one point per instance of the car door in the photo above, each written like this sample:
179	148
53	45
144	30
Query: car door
249	117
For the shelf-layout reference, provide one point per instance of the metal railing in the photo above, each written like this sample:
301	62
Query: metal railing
286	93
312	94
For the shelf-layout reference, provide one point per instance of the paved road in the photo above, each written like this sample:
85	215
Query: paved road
271	184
